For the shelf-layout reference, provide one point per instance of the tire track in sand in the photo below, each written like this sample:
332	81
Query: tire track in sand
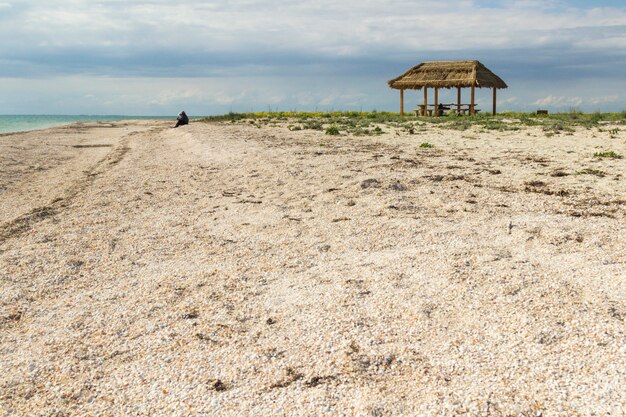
25	222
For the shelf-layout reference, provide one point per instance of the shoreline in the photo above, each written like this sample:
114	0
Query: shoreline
30	122
238	269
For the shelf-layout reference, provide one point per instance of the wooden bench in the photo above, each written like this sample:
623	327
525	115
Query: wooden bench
422	112
463	108
421	109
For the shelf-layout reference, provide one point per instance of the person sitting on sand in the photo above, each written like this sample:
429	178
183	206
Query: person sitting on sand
182	119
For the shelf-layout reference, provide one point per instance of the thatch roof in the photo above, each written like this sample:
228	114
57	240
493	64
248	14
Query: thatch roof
447	74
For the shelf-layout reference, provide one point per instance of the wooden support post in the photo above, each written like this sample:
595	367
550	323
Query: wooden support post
425	101
472	101
494	101
401	102
436	102
458	99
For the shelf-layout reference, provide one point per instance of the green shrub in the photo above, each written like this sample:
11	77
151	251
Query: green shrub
460	124
332	130
608	154
589	171
313	125
349	120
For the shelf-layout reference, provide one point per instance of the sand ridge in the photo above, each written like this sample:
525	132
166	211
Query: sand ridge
225	269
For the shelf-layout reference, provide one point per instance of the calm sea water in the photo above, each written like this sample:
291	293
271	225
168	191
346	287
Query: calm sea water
21	123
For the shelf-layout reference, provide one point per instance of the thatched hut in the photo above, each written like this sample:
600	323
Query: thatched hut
447	74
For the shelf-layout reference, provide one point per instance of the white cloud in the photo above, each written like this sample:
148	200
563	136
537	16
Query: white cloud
223	97
509	100
325	27
604	99
351	99
175	94
562	101
255	53
615	43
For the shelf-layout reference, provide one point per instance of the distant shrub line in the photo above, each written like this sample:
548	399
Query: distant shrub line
369	123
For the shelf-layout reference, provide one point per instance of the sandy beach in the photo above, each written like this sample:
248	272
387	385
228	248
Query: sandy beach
229	269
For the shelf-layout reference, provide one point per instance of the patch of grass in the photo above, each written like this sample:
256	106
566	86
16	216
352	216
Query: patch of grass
595	118
332	130
613	133
589	171
535	183
365	123
427	145
574	113
557	126
460	124
489	122
359	131
608	154
313	125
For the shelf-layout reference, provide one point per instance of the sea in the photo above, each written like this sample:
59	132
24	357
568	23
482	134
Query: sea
23	123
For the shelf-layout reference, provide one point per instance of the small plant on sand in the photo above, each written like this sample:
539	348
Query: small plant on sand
495	123
313	125
574	113
359	131
460	124
608	154
589	171
364	123
427	145
596	117
332	130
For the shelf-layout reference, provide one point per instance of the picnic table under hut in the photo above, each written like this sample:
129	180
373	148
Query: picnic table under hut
447	74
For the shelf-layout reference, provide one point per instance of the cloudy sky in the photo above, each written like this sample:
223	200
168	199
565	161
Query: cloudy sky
207	57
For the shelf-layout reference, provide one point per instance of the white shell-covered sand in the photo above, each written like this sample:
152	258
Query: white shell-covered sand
225	269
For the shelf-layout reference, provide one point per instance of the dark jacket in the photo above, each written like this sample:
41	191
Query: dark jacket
182	118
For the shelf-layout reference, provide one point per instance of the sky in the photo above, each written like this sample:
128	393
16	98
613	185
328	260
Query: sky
210	57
